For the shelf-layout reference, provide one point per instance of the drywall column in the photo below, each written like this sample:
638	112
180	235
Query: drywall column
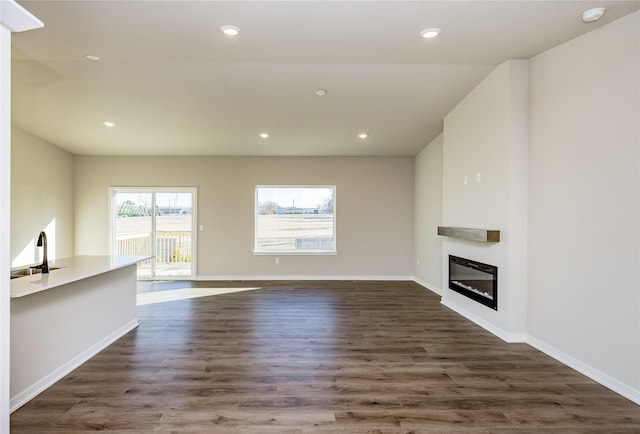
5	213
12	18
484	185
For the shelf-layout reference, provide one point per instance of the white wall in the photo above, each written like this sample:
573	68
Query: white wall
41	198
374	206
485	136
428	215
584	283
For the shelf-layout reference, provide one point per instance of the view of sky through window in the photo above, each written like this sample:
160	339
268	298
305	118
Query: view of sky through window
295	197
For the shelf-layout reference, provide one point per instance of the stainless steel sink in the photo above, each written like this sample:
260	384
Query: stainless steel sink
23	272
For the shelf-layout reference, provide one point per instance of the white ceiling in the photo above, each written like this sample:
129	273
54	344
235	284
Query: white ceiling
175	85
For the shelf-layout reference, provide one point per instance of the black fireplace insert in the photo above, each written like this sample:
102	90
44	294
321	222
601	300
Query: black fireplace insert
475	280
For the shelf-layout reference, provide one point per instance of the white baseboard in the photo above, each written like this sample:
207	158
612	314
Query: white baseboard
433	288
596	375
35	389
306	277
491	328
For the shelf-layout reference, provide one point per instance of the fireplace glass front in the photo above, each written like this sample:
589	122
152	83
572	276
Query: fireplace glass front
475	280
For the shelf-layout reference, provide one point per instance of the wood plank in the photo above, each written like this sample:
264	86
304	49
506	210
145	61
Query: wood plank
320	357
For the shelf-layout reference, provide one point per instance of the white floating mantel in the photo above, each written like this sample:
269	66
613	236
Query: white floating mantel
470	234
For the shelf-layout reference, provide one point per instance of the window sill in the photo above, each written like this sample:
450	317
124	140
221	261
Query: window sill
297	253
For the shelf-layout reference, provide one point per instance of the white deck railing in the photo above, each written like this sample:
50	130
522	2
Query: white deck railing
174	246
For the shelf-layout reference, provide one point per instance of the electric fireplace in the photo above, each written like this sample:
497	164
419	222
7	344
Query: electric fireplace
475	280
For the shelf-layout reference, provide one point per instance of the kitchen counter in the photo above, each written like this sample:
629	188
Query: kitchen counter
61	319
72	270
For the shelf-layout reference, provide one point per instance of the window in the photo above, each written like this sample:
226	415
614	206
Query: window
295	219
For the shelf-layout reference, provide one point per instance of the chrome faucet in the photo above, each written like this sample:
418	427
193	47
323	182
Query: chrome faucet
42	242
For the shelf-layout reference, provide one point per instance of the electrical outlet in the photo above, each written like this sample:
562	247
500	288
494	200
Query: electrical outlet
277	261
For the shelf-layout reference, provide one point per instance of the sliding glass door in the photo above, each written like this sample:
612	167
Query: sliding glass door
158	222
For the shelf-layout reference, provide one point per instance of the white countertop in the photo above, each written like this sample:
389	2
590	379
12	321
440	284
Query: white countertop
73	269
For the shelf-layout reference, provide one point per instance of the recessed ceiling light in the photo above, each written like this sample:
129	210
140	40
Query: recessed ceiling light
92	57
321	92
363	135
264	135
592	15
430	33
109	124
230	30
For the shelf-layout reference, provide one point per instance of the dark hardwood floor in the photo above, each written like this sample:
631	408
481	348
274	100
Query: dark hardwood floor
320	357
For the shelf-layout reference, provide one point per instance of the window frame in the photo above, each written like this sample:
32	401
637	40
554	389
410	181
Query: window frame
318	252
113	210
